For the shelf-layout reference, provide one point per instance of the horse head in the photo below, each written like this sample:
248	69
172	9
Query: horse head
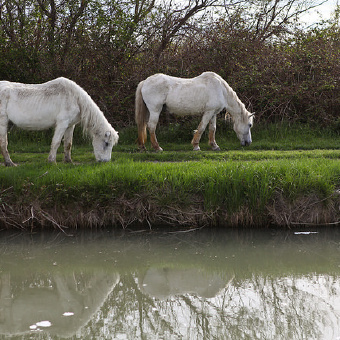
103	143
242	128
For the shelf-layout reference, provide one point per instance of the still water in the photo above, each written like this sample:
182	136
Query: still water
262	284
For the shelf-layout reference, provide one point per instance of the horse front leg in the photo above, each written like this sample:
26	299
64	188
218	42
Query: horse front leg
4	142
68	136
56	140
198	133
212	131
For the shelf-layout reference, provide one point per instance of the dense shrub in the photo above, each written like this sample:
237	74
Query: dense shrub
109	46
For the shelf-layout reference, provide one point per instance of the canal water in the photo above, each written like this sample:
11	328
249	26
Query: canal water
206	284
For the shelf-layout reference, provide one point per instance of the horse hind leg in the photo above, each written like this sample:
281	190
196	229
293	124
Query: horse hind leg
153	120
4	151
4	140
154	141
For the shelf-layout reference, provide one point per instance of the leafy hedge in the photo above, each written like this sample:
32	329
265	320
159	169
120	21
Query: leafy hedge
108	49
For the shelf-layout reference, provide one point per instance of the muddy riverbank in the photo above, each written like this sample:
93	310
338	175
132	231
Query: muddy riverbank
146	212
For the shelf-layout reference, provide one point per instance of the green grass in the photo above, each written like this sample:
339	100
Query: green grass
219	180
177	137
293	162
271	136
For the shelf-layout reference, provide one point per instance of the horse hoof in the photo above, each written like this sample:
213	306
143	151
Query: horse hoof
159	149
10	164
216	149
196	148
52	161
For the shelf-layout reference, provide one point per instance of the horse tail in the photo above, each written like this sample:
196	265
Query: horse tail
141	116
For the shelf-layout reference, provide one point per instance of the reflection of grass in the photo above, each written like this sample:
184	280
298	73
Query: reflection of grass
228	180
227	252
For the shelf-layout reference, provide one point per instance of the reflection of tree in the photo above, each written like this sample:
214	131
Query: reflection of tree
134	313
262	307
202	290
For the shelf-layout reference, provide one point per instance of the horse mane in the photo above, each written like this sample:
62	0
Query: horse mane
232	94
92	118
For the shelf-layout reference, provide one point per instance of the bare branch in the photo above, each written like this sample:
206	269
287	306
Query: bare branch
177	18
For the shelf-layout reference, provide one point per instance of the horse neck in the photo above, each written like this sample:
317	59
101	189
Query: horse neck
238	112
234	106
92	118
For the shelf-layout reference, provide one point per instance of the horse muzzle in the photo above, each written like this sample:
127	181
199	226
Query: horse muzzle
104	160
245	143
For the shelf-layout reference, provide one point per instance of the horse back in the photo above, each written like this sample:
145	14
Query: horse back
38	106
184	96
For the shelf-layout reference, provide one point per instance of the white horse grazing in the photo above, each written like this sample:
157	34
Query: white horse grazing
59	103
206	95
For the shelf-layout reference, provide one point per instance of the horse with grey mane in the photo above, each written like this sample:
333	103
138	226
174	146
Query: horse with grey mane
58	104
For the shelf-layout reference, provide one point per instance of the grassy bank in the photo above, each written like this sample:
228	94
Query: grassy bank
288	176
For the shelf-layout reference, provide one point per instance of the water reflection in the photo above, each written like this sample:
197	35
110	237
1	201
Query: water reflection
55	301
198	285
162	283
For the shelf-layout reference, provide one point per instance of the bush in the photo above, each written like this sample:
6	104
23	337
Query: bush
108	49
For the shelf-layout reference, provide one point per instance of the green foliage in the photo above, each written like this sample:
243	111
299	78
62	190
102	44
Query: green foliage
109	46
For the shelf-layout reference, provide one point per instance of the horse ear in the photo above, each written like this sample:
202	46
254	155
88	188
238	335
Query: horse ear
252	114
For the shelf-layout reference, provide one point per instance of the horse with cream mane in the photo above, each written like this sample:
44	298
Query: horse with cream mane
205	95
